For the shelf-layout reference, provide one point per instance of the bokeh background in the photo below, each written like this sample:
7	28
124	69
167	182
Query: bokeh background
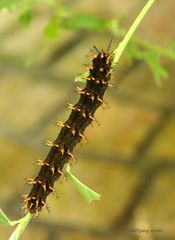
129	158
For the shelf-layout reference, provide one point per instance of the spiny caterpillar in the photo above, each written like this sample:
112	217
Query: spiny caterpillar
82	115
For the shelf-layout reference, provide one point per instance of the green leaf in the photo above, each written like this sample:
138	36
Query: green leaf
24	4
88	194
22	224
113	25
52	29
21	227
83	21
25	18
4	219
151	58
133	52
82	77
16	4
153	61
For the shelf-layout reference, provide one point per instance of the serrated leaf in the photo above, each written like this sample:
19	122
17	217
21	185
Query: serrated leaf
88	194
25	18
153	61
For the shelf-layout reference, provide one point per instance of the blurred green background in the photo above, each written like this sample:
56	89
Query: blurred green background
130	157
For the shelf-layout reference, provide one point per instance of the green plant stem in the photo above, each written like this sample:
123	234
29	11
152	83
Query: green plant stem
119	50
23	222
120	33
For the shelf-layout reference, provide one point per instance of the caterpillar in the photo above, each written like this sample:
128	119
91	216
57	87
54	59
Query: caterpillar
72	131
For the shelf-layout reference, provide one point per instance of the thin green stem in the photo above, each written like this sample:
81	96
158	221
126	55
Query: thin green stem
23	222
119	50
120	33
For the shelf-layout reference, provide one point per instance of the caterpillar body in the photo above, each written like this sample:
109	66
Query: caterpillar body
71	133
